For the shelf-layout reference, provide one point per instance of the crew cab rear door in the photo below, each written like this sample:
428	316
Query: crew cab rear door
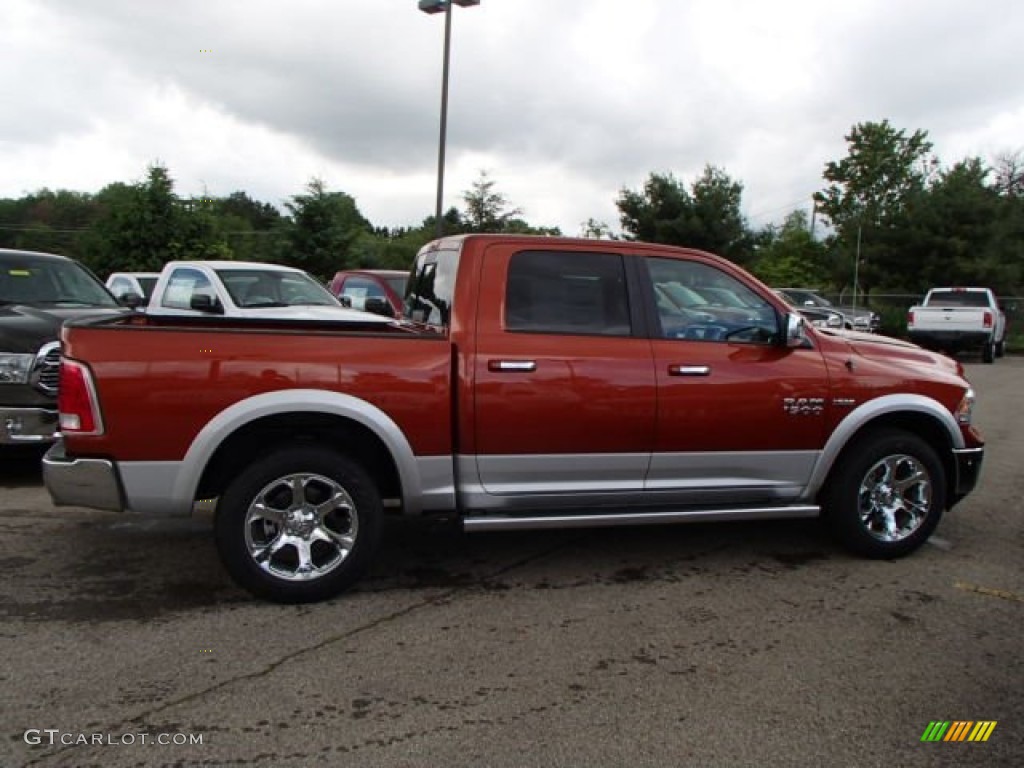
563	381
741	419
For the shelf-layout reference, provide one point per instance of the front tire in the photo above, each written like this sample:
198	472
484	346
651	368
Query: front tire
299	525
886	494
1001	348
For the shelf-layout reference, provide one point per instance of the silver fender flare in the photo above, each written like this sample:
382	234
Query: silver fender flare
857	418
237	415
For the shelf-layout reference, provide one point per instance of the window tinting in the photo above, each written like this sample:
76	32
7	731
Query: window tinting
567	292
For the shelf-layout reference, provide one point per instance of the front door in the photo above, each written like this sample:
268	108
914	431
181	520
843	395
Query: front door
741	419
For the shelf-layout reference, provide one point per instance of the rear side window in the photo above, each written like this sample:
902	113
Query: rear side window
567	293
428	298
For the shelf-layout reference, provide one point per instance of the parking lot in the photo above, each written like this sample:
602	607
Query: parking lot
730	644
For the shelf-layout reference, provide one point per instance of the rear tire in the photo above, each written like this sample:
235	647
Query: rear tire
988	353
886	494
299	525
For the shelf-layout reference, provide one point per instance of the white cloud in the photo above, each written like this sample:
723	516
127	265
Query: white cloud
564	103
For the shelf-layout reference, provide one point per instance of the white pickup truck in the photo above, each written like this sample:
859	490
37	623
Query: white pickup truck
247	289
955	319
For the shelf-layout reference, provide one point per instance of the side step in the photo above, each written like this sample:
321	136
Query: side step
608	519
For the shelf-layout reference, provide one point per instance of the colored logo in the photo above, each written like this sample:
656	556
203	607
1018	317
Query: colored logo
958	730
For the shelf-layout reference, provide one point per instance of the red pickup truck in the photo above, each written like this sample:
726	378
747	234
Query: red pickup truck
533	382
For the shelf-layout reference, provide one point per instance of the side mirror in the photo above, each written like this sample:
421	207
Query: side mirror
203	302
796	326
379	306
346	301
131	300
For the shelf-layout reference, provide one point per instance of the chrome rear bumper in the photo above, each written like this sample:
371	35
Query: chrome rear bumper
81	482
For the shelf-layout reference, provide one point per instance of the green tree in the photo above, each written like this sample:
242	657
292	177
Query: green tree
324	226
487	210
868	191
791	256
705	216
254	230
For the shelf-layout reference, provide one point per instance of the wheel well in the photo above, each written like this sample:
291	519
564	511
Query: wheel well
921	424
255	439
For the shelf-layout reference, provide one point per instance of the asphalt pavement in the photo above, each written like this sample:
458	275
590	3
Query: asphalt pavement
744	644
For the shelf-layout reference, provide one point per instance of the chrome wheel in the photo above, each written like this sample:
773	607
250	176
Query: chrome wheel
301	527
895	497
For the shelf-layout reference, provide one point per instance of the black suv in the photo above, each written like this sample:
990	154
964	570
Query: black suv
38	292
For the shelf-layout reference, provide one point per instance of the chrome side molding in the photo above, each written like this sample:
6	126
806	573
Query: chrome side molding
660	517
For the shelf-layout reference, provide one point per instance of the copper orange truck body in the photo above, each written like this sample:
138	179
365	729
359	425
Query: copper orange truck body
533	383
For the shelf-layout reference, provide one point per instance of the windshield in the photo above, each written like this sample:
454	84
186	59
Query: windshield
273	288
29	279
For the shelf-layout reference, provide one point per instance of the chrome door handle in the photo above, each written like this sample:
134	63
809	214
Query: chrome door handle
512	366
689	370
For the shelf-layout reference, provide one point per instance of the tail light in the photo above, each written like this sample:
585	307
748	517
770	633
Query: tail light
910	318
987	322
76	400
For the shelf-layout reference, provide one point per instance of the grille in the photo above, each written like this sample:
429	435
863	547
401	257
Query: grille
46	375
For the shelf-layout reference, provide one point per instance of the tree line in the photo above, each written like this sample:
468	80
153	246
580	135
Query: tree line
889	212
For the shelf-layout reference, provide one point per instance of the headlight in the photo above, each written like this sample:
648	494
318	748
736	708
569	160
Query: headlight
834	321
14	369
964	410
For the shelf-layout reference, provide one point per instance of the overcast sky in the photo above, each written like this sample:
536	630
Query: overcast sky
563	102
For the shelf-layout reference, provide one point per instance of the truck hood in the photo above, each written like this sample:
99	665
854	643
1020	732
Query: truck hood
886	349
24	328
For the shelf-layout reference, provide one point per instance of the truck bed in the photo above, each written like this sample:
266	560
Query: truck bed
160	379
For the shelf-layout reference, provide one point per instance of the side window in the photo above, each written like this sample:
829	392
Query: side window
182	285
359	289
699	302
432	288
567	292
119	286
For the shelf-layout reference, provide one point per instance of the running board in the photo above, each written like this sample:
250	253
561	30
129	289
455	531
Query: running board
540	522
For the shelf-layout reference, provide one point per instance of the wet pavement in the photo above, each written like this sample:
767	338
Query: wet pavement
733	644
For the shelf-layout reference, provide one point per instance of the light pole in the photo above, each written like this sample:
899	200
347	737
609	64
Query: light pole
445	7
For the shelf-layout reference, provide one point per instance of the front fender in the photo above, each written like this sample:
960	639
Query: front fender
870	411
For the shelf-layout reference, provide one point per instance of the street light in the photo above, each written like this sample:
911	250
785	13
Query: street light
445	7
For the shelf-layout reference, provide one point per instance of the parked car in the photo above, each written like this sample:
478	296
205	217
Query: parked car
125	285
534	382
374	290
246	289
819	317
956	319
38	292
854	318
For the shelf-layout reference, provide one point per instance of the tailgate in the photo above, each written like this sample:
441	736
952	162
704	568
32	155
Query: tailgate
948	319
